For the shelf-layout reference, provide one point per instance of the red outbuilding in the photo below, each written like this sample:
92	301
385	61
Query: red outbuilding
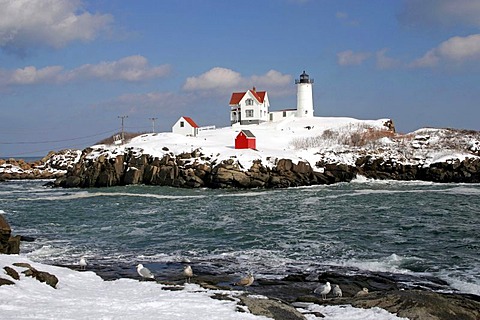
245	140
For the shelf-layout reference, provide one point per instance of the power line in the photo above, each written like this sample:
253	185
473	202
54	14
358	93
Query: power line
55	141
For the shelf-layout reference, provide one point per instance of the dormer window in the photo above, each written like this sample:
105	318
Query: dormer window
249	102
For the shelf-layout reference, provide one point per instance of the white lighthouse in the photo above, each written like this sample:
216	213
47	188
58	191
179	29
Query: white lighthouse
304	96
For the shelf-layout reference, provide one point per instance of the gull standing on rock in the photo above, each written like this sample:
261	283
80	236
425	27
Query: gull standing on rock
337	292
188	272
323	290
144	272
245	282
83	263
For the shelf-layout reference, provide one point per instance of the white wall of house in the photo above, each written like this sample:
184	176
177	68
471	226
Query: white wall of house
183	127
281	115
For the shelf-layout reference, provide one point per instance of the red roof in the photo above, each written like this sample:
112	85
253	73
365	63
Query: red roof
191	122
237	96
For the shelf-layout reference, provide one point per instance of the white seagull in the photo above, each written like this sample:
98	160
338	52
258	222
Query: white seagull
83	263
188	272
144	272
337	292
245	282
323	290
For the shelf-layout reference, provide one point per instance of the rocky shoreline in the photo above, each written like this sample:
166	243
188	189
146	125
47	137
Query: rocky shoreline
293	297
195	170
52	166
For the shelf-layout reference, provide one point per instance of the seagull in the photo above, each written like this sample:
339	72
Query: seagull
144	272
337	292
83	263
245	282
362	292
323	290
188	272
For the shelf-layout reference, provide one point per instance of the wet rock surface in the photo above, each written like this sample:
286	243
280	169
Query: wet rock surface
9	244
408	296
193	170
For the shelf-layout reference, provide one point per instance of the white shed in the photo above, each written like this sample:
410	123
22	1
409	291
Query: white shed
185	126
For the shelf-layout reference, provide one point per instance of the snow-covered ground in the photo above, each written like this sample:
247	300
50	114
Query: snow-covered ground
84	295
328	139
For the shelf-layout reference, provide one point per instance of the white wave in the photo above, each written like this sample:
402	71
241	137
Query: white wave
390	263
49	253
86	194
464	190
463	286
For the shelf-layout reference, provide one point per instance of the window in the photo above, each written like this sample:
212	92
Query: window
249	113
249	102
182	124
284	114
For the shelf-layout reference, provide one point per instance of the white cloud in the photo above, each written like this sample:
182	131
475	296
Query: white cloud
440	12
132	69
32	75
216	78
222	80
30	23
350	58
384	62
456	49
272	78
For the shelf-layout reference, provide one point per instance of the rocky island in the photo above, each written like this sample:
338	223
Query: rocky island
295	152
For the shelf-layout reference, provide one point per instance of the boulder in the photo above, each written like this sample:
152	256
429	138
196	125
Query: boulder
422	305
270	308
11	272
8	244
42	276
5	282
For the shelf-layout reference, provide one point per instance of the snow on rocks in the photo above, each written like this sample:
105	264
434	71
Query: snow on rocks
53	165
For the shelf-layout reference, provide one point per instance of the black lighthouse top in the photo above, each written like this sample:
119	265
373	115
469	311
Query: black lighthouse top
304	78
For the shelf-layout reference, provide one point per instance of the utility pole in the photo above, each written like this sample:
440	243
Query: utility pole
123	132
153	124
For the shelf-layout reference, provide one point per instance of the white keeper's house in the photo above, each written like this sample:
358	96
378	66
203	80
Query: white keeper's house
249	107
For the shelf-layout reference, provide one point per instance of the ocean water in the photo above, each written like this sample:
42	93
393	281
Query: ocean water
412	228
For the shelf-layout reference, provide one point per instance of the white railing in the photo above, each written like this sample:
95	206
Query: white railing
206	128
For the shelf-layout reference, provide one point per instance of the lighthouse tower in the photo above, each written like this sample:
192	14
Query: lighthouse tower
304	96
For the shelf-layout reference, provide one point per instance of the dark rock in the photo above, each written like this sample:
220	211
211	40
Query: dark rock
11	272
271	308
22	265
5	282
422	305
8	244
42	276
27	238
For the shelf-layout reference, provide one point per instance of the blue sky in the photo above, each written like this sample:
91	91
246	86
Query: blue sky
70	68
